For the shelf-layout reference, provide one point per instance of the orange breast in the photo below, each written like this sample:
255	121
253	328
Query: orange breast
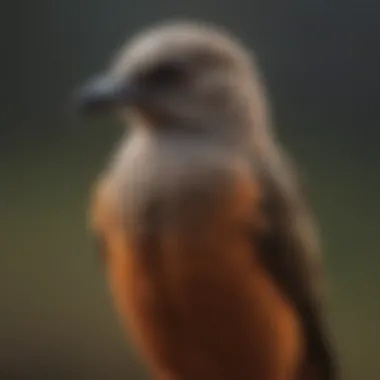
203	309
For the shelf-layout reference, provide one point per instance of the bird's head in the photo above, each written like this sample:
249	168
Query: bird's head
174	72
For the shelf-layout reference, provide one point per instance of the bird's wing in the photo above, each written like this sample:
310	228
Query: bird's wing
290	252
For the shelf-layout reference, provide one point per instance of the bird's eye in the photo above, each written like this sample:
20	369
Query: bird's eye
165	75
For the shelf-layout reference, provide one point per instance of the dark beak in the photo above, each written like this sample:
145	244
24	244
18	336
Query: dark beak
103	94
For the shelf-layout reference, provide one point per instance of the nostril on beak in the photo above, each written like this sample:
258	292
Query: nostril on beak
98	95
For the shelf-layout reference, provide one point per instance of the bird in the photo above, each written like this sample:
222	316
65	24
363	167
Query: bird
211	251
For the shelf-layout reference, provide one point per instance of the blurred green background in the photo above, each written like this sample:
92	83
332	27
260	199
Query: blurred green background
320	60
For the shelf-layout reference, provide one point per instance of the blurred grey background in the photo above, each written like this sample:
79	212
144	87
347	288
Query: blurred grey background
321	61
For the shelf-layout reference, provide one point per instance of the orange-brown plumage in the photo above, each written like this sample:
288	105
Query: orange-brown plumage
210	311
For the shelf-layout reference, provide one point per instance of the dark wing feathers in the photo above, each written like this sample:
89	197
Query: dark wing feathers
291	254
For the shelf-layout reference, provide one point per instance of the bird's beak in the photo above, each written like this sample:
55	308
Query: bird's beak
103	94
